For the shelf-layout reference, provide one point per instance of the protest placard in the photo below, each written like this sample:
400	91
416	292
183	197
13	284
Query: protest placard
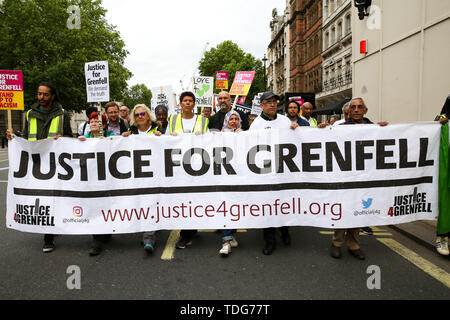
97	81
203	91
242	83
222	80
11	90
163	95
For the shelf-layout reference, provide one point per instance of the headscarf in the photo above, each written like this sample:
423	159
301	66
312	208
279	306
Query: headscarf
225	127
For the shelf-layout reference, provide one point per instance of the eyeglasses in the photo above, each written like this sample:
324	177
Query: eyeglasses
139	114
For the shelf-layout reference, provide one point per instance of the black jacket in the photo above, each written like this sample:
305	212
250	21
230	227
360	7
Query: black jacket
43	120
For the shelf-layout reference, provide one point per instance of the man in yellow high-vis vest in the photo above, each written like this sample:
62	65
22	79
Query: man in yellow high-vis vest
187	122
46	119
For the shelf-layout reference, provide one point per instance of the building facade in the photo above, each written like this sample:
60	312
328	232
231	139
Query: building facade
336	55
305	26
278	72
403	76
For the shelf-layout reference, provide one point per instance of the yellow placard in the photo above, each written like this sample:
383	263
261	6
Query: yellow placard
11	100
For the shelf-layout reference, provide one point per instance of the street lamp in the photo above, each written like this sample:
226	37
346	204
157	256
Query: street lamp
264	60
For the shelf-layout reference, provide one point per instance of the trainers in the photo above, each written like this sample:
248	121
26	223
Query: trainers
149	248
183	243
48	247
226	248
367	230
442	246
234	243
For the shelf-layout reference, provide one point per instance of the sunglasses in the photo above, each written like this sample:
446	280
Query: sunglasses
139	114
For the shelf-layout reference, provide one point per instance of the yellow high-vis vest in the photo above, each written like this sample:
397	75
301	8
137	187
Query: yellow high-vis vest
56	127
176	124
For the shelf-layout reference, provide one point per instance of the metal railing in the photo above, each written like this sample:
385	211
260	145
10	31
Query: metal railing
339	81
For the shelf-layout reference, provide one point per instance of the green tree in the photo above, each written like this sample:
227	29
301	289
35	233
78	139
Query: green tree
227	56
38	38
137	94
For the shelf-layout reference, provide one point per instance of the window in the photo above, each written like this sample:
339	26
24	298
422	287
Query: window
348	23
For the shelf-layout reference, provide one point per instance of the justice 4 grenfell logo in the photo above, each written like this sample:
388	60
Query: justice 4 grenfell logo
413	203
366	204
34	214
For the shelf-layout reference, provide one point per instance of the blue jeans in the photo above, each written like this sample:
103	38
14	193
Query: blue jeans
227	234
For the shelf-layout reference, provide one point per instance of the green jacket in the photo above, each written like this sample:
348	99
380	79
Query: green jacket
43	121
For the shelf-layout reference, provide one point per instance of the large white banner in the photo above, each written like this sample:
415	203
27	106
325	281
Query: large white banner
338	177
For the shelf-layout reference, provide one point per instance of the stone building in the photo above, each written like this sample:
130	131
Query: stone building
336	55
278	72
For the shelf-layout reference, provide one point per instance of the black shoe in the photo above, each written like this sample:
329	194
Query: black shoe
48	247
357	254
269	247
286	238
95	250
367	230
335	252
183	243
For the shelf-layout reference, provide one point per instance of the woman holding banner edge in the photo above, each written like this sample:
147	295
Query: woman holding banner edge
143	123
231	123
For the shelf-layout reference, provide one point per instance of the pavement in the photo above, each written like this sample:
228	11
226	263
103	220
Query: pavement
421	231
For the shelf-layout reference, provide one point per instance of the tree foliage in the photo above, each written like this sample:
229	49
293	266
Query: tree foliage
137	94
227	56
36	39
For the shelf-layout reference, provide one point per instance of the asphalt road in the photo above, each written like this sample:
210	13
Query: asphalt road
405	269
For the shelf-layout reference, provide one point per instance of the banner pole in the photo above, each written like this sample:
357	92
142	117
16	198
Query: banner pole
9	120
235	101
100	122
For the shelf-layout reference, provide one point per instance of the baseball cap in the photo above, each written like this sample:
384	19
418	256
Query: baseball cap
268	95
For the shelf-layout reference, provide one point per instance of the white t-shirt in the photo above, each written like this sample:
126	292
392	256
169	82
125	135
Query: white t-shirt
188	124
281	122
339	122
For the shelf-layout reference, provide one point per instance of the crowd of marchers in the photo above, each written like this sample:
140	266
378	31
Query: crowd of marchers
47	119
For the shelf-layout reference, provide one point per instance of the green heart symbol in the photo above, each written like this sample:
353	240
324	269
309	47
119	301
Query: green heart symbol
204	90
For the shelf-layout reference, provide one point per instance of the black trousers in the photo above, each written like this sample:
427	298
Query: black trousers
270	234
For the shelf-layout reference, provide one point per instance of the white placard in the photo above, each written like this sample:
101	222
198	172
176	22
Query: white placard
97	81
163	95
203	88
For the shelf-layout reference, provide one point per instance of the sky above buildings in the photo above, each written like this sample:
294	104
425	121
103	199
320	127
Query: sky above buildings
166	39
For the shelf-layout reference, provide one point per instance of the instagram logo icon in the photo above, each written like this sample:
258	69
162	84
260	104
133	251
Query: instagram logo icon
77	212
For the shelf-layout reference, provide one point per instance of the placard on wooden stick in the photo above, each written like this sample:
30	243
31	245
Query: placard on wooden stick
11	92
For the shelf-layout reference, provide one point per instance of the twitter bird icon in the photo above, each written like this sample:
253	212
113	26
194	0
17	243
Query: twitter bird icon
367	203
